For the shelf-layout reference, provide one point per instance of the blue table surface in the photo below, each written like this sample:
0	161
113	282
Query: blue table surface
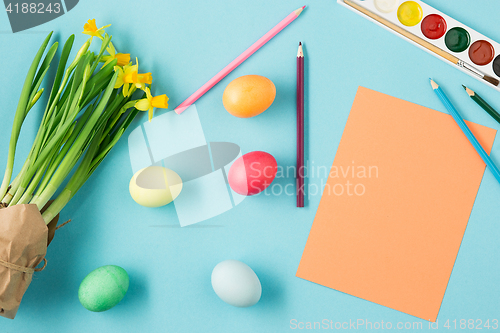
184	43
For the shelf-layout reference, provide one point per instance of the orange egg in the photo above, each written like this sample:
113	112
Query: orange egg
248	96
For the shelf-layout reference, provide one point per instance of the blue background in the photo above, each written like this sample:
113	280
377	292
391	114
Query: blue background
184	43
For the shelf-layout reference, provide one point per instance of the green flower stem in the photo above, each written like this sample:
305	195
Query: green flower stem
127	104
57	205
22	195
76	149
79	125
20	115
42	172
35	99
17	196
52	168
45	65
85	169
67	74
105	42
95	86
114	106
43	70
80	54
39	142
60	68
45	153
15	184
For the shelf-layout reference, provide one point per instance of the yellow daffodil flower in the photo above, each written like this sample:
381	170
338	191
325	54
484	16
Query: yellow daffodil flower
123	58
120	80
129	75
140	80
150	102
90	29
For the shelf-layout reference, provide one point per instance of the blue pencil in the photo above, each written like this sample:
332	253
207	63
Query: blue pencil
463	126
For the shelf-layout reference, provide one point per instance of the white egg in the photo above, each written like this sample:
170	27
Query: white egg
155	186
236	283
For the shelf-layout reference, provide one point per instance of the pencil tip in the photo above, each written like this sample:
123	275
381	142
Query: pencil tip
433	84
299	10
300	52
469	91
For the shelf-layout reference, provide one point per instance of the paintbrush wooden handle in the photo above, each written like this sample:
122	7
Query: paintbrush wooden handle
403	32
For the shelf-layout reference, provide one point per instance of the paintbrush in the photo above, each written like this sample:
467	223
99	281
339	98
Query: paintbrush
424	43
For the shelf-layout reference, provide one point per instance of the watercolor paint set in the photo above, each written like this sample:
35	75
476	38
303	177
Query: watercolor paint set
436	33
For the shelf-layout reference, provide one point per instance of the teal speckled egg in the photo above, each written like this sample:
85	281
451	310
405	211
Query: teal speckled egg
103	288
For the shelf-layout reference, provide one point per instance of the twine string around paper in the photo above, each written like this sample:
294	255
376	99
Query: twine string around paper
27	270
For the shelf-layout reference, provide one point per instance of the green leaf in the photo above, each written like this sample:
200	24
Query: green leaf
20	115
60	68
44	67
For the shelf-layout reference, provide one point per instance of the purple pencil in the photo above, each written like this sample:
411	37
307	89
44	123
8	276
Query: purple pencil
300	127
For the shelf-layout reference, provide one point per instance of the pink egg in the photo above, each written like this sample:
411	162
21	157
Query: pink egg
252	173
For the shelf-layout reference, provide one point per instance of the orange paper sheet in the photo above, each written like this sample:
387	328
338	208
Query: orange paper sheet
395	244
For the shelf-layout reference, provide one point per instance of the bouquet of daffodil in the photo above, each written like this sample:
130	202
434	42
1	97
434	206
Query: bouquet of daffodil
89	107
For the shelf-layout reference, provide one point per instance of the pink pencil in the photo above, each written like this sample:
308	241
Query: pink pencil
236	62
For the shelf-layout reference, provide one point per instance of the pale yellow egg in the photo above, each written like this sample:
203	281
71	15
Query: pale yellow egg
155	186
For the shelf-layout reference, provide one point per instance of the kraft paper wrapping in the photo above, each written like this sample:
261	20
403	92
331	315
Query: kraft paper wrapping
23	243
